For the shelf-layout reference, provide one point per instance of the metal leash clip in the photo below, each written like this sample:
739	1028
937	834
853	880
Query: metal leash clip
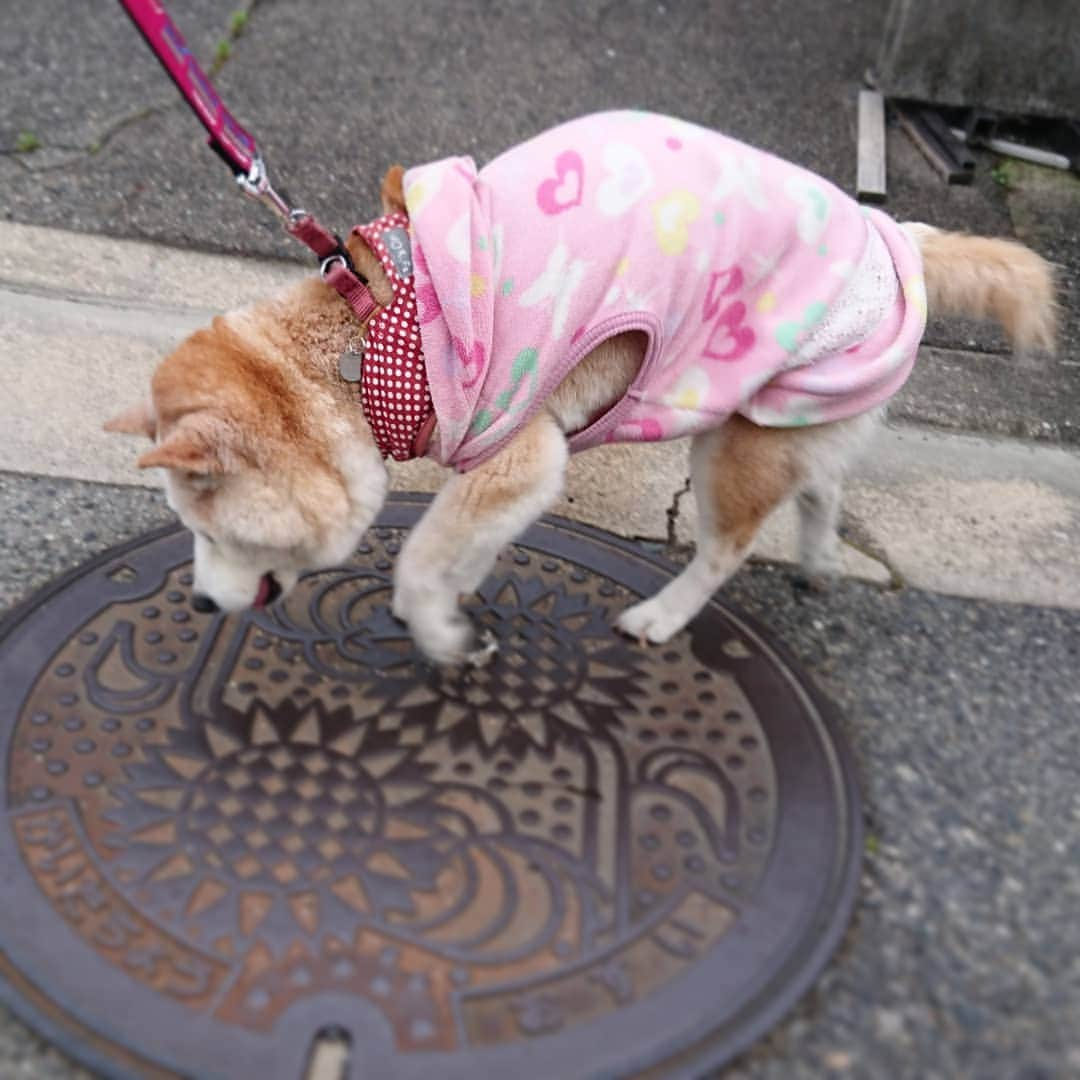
256	185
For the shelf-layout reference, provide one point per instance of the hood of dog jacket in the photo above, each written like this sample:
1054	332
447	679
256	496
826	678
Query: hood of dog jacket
762	289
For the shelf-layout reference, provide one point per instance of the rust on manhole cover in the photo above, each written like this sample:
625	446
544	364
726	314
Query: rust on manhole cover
226	835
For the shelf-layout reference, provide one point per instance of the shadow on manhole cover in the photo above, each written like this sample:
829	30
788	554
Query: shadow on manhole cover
224	835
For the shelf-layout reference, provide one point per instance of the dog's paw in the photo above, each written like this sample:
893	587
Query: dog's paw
448	640
438	627
650	621
482	654
819	574
818	584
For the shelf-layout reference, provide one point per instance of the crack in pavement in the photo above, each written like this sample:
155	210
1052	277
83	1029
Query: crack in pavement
673	515
82	153
239	25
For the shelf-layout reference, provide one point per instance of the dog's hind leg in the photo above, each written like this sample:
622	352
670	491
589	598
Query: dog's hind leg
819	542
739	474
820	561
825	453
472	518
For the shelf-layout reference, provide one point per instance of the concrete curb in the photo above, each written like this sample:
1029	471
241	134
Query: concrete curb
84	319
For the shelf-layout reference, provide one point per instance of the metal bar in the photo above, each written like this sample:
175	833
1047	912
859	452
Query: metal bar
936	142
870	170
959	154
1022	152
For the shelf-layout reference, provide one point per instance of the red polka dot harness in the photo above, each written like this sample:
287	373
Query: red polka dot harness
394	388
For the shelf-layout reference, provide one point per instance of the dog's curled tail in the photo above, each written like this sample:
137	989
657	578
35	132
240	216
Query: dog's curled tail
988	278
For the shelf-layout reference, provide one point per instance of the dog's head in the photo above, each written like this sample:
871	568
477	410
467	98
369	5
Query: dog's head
267	459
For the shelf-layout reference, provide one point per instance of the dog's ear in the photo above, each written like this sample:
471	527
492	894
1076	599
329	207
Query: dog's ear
393	190
138	420
196	445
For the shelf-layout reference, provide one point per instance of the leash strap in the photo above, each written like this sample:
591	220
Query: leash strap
238	150
227	138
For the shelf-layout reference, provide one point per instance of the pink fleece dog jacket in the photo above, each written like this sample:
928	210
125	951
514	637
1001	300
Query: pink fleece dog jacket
762	288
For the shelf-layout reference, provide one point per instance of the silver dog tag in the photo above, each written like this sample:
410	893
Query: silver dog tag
351	364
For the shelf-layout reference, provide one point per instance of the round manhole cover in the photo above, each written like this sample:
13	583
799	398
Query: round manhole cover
225	835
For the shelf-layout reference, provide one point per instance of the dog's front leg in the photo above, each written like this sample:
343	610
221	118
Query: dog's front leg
456	542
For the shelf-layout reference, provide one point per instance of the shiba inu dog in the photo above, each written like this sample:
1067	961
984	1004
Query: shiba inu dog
624	277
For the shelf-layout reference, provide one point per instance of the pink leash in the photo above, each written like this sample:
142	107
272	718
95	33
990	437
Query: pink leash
238	150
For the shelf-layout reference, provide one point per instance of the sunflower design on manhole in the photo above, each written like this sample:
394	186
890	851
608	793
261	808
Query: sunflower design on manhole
244	814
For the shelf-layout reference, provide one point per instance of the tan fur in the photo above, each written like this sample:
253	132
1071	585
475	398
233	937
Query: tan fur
751	471
138	420
367	263
198	444
500	481
991	278
393	190
598	381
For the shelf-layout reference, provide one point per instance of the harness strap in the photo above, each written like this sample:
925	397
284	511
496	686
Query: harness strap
308	231
350	286
336	266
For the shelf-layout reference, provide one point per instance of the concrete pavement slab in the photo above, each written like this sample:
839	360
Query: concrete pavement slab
994	393
57	263
971	516
84	321
42	437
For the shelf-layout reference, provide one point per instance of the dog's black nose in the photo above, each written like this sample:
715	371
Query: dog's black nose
203	604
